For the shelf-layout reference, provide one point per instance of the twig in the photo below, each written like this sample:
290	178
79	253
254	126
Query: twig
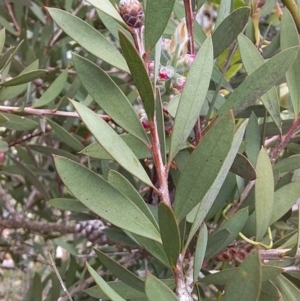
190	25
79	288
28	137
19	223
275	254
59	277
285	139
12	16
33	111
160	168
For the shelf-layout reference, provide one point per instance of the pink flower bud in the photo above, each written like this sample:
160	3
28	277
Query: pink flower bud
166	73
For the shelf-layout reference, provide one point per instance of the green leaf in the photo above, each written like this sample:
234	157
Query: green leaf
109	96
24	78
119	287
253	139
33	179
288	164
4	147
288	290
223	12
139	74
192	97
2	39
18	123
120	272
229	29
169	229
246	282
203	165
107	7
153	30
88	37
156	290
103	199
234	225
242	167
64	136
289	37
49	151
67	204
222	277
252	60
108	291
123	289
112	143
216	243
284	198
10	92
53	91
155	248
125	187
260	81
200	251
95	150
264	194
207	201
269	292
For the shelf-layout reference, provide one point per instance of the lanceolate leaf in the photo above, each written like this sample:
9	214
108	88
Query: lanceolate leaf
112	143
125	187
289	37
229	29
139	74
169	232
53	91
18	123
252	59
284	198
153	29
288	290
120	272
192	97
200	251
246	282
109	96
107	7
214	189
108	291
24	78
264	194
64	136
103	199
288	164
88	37
156	290
203	165
260	81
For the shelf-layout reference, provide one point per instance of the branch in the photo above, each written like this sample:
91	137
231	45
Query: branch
275	254
33	111
12	16
17	223
285	139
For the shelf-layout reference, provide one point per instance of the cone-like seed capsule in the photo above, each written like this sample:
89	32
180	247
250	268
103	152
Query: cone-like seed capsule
132	13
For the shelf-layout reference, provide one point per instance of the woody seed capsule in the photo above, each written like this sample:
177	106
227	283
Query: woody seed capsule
132	13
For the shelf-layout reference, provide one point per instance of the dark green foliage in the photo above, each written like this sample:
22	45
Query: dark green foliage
162	164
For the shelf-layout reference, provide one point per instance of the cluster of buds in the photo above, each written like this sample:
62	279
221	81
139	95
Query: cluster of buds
132	13
236	253
92	230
